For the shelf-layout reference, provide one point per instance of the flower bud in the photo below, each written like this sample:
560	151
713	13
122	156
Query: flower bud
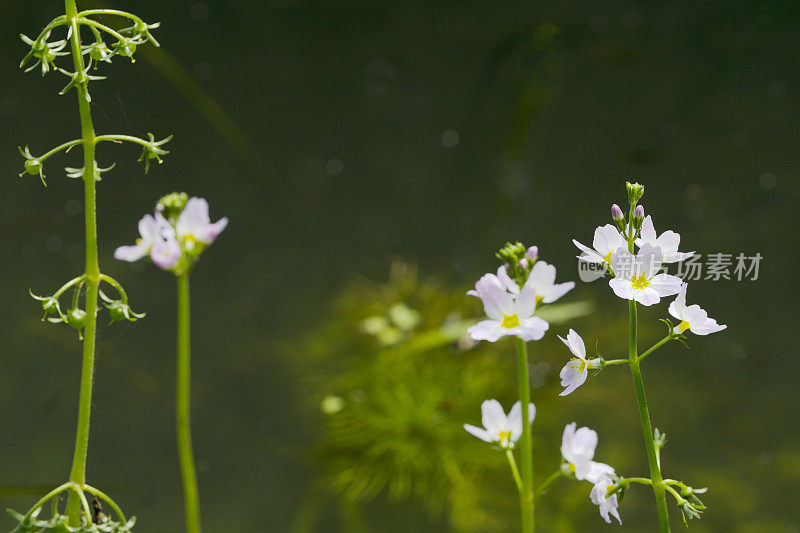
638	217
532	253
172	204
635	192
616	213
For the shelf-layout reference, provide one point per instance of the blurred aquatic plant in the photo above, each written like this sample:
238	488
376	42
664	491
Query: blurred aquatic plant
393	375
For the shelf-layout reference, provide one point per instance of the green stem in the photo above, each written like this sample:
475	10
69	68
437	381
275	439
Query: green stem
514	470
655	347
647	429
539	492
526	445
120	138
182	410
614	362
78	473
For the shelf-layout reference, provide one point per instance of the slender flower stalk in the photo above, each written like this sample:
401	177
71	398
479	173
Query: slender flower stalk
644	416
174	238
183	410
644	413
92	279
526	443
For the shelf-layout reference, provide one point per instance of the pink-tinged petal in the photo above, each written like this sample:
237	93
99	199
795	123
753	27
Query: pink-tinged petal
525	304
488	330
589	255
493	417
130	253
707	328
212	231
557	291
576	344
677	306
505	280
607	239
676	257
584	443
669	241
572	377
647	296
165	253
543	274
597	471
194	218
497	302
622	288
648	231
515	419
532	329
666	284
648	260
478	432
566	441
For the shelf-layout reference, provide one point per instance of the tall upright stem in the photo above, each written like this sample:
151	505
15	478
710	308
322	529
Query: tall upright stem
526	445
647	428
78	473
183	410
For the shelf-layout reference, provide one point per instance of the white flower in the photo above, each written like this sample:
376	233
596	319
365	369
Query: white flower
543	278
606	505
637	278
194	224
607	239
574	373
694	318
667	241
510	310
151	231
501	429
577	448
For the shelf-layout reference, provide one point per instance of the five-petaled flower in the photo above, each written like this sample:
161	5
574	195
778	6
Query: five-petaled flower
692	317
667	241
607	505
637	278
499	429
575	372
509	308
170	246
577	448
607	239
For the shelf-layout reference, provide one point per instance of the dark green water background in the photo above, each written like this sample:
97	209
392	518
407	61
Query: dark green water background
345	105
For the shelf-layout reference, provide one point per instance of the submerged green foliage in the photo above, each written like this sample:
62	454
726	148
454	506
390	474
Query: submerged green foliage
394	404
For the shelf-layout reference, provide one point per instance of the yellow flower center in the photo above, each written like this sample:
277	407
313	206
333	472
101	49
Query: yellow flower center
510	321
139	240
683	326
639	281
539	300
504	437
607	258
581	367
189	242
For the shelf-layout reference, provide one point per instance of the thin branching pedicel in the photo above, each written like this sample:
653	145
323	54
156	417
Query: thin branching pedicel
80	311
173	238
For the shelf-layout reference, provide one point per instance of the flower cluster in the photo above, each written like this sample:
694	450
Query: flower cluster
636	275
577	449
175	235
511	296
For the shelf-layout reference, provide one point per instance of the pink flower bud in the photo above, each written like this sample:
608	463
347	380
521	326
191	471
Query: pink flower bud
616	212
532	253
